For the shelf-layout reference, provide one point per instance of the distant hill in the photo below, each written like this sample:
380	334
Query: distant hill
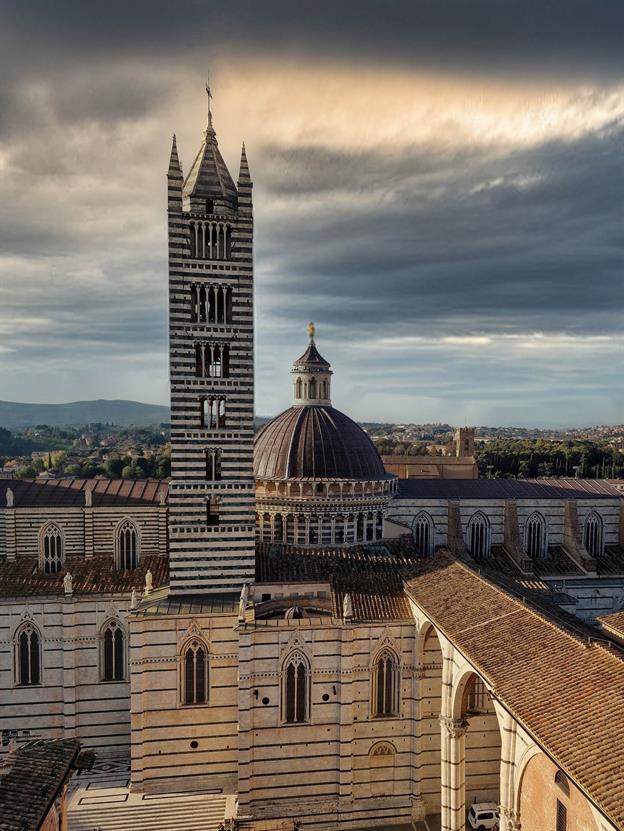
122	413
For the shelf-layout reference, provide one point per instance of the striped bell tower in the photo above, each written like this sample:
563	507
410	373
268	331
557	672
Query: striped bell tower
211	494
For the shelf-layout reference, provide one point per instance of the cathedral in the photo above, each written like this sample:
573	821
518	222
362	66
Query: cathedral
288	624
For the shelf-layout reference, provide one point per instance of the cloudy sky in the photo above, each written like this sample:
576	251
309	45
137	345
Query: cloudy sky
439	185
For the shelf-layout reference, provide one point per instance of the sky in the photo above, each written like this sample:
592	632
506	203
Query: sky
439	186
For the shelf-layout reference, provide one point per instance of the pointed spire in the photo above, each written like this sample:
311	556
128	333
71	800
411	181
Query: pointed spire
243	174
210	129
174	161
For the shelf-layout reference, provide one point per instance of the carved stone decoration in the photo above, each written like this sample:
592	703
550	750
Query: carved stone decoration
148	583
133	599
242	605
9	498
68	584
347	608
456	727
88	495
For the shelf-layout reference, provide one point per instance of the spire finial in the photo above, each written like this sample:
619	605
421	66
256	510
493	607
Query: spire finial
311	330
209	94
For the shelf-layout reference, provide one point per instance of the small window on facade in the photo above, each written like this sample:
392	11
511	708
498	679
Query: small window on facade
127	546
562	816
194	674
535	536
593	535
212	513
52	556
423	534
478	537
562	780
295	689
114	652
28	656
385	684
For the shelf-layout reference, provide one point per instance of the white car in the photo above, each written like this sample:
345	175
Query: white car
483	816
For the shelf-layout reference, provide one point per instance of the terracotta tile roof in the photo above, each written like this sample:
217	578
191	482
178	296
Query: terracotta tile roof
507	489
34	778
613	623
69	493
370	574
22	578
567	690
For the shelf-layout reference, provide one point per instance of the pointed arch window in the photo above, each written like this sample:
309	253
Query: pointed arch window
52	555
295	689
113	646
593	535
213	464
194	673
27	646
423	533
127	546
479	536
385	684
535	536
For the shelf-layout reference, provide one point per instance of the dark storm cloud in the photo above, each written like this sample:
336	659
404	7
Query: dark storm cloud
528	241
558	36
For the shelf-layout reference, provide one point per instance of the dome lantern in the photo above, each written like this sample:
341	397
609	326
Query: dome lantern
311	376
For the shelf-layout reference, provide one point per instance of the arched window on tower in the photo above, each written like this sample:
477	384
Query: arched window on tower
298	386
221	413
27	655
212	305
535	536
213	464
127	546
228	306
113	651
193	240
225	360
385	684
423	530
312	388
199	363
295	689
51	554
593	534
479	536
194	673
202	304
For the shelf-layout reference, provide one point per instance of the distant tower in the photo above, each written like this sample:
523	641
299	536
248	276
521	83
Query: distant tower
211	494
464	442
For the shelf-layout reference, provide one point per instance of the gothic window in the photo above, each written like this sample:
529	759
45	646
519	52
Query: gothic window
127	546
27	656
113	646
202	304
213	464
194	303
535	536
51	549
218	361
478	537
193	233
212	305
423	533
295	689
228	306
593	535
385	684
194	673
225	360
221	413
313	388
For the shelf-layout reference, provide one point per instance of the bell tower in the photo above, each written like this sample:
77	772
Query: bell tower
311	376
212	490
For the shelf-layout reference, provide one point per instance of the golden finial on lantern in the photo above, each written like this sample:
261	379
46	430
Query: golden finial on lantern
311	330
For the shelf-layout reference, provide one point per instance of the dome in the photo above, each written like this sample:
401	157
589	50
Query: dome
314	442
